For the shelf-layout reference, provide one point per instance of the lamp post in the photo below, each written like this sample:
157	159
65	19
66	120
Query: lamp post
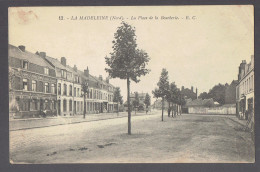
84	91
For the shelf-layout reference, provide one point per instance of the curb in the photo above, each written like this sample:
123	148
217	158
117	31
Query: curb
237	122
75	122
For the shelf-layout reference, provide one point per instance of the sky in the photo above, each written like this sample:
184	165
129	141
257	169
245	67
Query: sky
200	46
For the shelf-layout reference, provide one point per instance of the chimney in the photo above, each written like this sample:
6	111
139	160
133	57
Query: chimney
192	88
86	72
196	93
100	77
22	48
63	61
43	54
182	88
107	79
75	68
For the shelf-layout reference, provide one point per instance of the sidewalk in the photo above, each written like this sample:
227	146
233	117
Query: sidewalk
239	121
22	124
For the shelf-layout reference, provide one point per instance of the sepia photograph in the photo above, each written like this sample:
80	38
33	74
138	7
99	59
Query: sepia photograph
131	84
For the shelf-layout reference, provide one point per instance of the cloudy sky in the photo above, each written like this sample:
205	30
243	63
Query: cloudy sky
201	48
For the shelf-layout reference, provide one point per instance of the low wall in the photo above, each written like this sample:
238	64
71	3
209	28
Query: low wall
215	110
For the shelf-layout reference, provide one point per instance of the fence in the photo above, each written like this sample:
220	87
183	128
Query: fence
213	110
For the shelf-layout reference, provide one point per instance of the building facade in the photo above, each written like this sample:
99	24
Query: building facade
245	90
39	83
32	84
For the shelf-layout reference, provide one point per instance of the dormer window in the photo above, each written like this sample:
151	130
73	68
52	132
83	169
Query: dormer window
63	73
46	71
25	65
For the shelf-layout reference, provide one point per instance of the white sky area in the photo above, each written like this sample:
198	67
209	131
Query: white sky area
199	53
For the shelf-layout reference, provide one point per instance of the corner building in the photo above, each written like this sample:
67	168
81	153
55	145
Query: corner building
32	84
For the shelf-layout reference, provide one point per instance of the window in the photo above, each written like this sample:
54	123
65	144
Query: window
70	90
59	88
78	92
90	94
46	87
25	105
75	92
25	84
25	65
52	88
63	73
64	105
46	71
33	85
34	104
70	105
94	94
64	89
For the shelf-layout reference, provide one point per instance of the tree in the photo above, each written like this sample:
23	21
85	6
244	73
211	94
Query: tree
218	93
127	61
11	76
171	97
180	100
203	95
118	98
136	101
163	85
147	101
84	88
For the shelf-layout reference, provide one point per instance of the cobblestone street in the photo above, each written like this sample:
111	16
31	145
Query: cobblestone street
187	138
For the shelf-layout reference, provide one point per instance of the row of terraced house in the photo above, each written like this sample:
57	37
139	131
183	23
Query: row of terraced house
39	83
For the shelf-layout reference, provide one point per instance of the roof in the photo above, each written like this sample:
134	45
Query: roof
56	63
26	55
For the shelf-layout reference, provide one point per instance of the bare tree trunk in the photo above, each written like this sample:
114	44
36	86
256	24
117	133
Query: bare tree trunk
169	109
172	109
162	107
128	104
177	109
180	110
117	108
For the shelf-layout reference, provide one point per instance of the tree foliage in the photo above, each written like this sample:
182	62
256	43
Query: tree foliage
136	100
163	87
218	93
117	96
147	100
204	95
126	61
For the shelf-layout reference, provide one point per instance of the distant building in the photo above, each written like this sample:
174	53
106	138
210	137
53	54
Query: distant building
189	93
245	89
141	100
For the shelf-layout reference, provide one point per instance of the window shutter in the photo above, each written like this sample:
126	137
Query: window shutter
29	85
40	86
49	87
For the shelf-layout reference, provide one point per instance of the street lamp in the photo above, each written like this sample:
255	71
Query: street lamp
84	91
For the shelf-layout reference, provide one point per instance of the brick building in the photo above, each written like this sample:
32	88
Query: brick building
41	83
32	84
